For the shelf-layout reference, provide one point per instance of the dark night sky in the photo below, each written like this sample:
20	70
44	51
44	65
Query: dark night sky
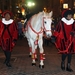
39	5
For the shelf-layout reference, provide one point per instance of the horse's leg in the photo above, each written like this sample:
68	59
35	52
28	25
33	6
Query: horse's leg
41	65
33	52
36	52
30	48
33	58
30	51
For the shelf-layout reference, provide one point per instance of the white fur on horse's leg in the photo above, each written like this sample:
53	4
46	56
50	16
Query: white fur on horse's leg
41	59
35	54
41	62
33	59
41	65
30	49
30	53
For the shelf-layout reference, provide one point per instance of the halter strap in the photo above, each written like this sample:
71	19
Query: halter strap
29	23
44	26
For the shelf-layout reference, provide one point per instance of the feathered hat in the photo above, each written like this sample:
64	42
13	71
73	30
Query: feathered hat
67	12
7	11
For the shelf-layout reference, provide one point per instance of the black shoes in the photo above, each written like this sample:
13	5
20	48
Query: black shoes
63	66
8	65
69	68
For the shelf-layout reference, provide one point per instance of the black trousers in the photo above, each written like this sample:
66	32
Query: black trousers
69	57
8	56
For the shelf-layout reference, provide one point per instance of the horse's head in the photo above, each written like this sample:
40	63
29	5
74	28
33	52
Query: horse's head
47	21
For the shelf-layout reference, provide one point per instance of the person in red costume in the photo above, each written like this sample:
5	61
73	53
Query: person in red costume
65	38
8	35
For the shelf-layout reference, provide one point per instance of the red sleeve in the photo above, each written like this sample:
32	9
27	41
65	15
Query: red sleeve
15	33
57	30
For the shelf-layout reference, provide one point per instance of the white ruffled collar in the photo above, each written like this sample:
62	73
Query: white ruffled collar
7	22
68	22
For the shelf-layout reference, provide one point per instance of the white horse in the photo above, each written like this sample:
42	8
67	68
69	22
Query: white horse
35	27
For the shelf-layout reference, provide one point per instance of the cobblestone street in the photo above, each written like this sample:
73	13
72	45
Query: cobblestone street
21	62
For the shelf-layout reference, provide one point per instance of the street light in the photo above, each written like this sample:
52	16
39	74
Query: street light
30	4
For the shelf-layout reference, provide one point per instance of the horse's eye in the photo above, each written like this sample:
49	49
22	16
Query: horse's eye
45	22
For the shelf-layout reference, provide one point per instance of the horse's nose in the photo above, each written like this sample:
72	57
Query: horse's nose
49	35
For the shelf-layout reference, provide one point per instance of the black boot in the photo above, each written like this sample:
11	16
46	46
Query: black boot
8	56
63	65
69	68
8	65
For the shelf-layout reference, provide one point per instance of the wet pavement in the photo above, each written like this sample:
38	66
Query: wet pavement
21	62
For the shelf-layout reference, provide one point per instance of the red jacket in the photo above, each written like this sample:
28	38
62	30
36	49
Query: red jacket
65	42
8	35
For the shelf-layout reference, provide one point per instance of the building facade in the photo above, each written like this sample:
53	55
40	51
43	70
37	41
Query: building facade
55	5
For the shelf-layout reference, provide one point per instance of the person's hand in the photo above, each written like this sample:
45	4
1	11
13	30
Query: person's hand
14	40
53	39
72	34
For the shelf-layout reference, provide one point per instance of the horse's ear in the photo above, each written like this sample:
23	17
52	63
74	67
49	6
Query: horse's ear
44	13
51	13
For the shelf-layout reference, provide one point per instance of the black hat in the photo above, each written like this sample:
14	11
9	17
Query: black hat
67	12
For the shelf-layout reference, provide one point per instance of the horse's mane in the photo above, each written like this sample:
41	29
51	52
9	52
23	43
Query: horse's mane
36	17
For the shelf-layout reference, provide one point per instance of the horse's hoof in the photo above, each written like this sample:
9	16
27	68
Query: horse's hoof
29	55
33	64
41	66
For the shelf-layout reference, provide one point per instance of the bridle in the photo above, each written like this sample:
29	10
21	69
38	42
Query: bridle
44	29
